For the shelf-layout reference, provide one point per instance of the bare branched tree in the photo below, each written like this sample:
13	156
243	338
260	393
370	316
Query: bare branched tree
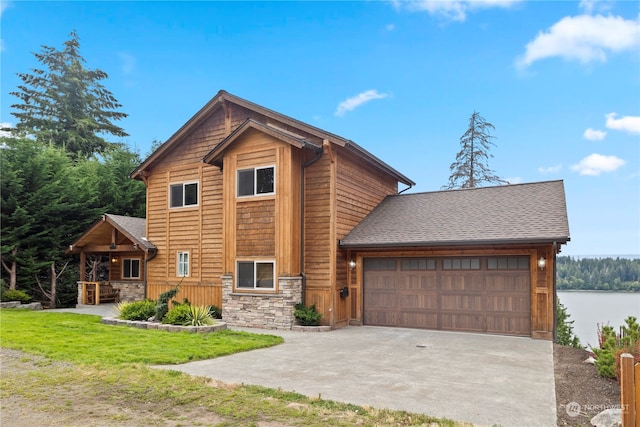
470	169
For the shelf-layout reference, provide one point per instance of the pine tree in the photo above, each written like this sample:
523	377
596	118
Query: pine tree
470	169
65	104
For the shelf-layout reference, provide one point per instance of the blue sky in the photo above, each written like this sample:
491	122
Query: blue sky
560	81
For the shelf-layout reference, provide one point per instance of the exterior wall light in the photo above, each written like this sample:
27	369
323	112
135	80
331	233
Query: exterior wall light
114	260
352	264
542	263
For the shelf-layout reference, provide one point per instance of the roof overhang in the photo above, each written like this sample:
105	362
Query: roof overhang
214	157
83	242
457	243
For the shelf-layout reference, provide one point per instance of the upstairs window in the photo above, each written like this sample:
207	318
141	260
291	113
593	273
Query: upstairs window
131	268
183	194
183	264
256	275
256	181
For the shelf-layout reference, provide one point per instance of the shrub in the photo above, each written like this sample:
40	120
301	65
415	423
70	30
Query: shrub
138	310
178	315
163	302
199	316
216	313
564	327
15	295
612	345
307	316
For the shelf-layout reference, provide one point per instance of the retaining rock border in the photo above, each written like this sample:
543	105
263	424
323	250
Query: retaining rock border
162	327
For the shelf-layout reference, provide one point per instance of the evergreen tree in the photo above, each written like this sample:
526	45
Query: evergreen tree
43	209
564	327
65	104
470	169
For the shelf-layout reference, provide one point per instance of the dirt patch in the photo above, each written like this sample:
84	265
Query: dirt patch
576	383
580	392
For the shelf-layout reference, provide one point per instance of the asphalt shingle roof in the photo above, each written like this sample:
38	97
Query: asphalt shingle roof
135	227
519	213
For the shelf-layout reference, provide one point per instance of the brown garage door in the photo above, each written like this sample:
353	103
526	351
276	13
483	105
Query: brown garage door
477	294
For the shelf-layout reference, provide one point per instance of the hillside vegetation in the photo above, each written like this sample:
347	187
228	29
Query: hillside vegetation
602	274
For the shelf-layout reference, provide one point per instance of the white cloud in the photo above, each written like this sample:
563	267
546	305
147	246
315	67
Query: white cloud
390	27
627	123
3	129
595	164
514	180
127	61
590	6
584	38
451	10
550	169
594	135
356	101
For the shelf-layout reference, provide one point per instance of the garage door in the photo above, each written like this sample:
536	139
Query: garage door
476	294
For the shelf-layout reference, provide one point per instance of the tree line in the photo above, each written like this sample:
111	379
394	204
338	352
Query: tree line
60	173
602	274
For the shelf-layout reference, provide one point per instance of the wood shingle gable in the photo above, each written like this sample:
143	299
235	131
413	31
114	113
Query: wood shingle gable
268	118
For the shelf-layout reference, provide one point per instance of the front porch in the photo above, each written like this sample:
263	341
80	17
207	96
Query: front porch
113	260
100	292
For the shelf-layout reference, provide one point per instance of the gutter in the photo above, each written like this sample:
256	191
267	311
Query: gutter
555	297
392	245
319	151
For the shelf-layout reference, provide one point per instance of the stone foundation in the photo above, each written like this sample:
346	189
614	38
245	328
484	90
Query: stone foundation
130	291
261	310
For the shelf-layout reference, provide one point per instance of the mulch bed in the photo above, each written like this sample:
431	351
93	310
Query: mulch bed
579	382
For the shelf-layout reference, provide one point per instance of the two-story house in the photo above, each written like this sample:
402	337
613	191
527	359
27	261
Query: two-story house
254	211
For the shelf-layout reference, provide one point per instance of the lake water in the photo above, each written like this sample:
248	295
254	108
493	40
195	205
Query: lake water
590	308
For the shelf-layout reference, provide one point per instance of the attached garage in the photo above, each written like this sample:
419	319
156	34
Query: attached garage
475	260
473	294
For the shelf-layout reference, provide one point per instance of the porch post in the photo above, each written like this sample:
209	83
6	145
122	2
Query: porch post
83	265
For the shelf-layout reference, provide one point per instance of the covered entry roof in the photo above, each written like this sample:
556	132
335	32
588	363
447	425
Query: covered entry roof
521	213
113	229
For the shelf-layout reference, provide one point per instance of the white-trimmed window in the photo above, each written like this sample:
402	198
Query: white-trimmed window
183	194
131	268
256	181
183	264
255	274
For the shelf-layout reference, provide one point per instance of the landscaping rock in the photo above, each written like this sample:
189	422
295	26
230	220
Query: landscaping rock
608	418
9	304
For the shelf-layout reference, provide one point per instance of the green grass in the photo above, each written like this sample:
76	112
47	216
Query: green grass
81	362
84	339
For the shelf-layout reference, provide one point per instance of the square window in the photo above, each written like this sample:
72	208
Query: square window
252	182
183	194
255	275
131	268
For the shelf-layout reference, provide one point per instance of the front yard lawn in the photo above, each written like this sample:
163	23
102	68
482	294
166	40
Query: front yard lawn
81	372
84	339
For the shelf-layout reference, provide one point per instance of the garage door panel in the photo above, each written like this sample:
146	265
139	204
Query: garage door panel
486	297
418	319
462	282
508	324
462	321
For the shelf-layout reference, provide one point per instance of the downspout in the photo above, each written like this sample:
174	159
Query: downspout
408	188
555	297
148	258
318	156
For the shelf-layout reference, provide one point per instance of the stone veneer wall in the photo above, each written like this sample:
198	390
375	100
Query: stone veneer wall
129	291
258	310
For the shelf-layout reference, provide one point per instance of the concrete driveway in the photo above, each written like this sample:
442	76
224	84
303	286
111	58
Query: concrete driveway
482	379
